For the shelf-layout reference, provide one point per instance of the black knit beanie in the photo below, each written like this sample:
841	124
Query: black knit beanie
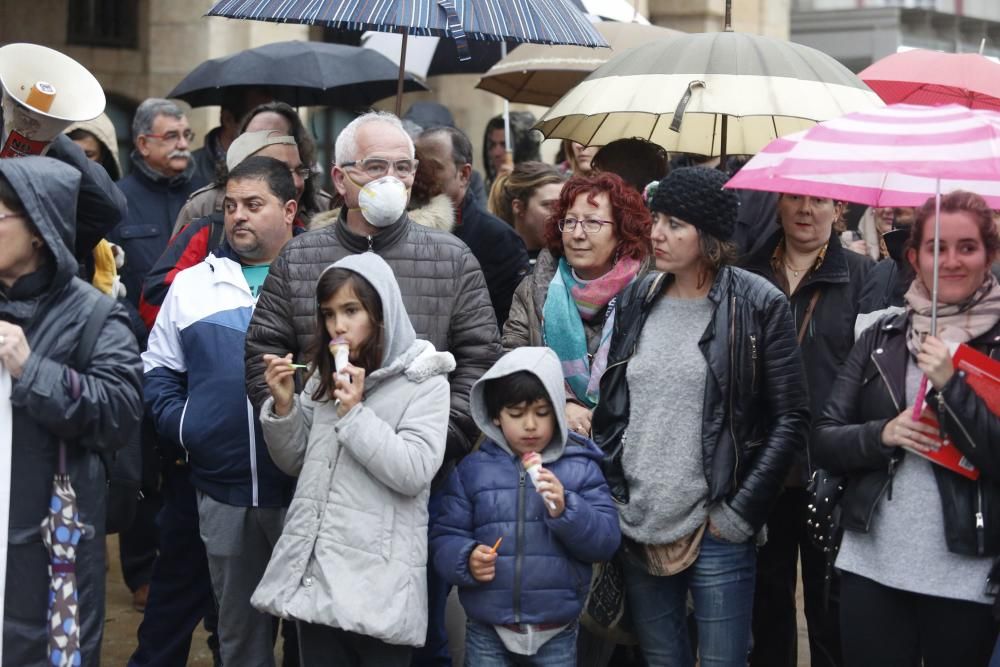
695	195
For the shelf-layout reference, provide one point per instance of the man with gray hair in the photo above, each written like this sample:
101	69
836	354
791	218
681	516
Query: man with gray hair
161	180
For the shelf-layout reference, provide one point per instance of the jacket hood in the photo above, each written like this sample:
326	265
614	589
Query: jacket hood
543	364
104	131
399	334
48	189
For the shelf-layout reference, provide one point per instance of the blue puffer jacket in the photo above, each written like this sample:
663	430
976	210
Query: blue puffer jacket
544	566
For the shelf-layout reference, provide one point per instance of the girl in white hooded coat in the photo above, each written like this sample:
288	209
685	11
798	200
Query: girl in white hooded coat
365	444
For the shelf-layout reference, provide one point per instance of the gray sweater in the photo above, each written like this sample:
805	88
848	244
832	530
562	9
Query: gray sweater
662	459
905	548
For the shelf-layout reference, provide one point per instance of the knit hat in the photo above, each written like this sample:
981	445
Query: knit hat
249	143
695	195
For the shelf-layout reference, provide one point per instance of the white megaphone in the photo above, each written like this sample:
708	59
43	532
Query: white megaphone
44	91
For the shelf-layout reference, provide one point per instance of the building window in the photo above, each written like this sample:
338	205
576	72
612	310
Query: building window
109	23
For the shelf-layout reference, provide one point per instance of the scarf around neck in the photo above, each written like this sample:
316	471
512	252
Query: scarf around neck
569	302
957	322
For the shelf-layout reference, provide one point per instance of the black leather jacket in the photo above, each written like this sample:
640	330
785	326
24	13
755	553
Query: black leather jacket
756	411
868	394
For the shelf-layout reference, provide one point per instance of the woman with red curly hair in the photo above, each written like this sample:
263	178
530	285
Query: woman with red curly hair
597	241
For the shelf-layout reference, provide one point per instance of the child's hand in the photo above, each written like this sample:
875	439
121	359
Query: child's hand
552	490
279	376
348	392
483	564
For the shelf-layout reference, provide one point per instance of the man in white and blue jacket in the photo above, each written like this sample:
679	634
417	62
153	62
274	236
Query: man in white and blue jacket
195	391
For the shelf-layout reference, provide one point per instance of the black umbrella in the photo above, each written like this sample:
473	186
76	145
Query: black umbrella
300	73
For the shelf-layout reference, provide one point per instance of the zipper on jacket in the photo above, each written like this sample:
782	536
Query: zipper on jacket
871	510
371	247
519	546
753	359
980	524
254	488
954	418
895	401
732	382
892	474
180	430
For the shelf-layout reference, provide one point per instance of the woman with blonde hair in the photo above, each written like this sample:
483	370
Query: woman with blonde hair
525	199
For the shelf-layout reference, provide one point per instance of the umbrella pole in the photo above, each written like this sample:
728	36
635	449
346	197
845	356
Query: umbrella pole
918	404
723	137
402	75
508	143
937	257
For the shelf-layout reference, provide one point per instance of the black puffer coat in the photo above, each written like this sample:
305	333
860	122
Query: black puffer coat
51	306
756	414
443	290
867	395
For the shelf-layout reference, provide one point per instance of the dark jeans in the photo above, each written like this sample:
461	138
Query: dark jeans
323	646
721	581
775	635
180	590
484	648
887	627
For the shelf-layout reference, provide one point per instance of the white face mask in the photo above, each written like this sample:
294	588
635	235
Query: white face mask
383	200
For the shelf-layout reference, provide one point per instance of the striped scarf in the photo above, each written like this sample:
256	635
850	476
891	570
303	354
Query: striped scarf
957	322
569	302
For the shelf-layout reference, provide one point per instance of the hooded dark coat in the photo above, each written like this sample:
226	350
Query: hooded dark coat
51	306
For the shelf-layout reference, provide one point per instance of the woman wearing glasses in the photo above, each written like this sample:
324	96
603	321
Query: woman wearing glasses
706	378
596	243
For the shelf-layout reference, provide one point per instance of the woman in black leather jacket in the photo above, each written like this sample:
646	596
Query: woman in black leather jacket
918	537
713	398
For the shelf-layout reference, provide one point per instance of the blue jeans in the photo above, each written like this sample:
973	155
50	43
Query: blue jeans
483	648
721	581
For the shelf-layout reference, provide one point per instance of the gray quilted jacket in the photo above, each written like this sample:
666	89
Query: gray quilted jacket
443	290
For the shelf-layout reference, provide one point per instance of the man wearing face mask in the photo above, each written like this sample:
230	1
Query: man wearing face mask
443	287
441	283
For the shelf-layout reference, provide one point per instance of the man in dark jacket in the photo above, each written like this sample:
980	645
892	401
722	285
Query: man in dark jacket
446	155
822	281
441	282
237	101
92	404
160	182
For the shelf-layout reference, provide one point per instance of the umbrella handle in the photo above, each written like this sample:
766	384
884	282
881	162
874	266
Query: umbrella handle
918	405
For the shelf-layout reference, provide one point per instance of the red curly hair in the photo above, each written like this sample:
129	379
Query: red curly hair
633	223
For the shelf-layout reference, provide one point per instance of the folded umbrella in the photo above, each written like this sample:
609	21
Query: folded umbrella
61	533
299	73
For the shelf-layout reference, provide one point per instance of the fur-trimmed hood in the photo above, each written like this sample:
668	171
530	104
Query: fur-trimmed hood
438	213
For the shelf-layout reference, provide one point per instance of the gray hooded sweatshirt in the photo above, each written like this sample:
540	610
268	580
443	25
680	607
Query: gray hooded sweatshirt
353	552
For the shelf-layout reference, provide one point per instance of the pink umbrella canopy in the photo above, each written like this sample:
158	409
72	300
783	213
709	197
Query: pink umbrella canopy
891	156
934	78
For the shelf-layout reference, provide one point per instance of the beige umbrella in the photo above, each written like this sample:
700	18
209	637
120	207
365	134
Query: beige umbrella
708	93
535	74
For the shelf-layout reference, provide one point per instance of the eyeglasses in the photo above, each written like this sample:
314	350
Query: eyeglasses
589	226
377	167
305	173
172	137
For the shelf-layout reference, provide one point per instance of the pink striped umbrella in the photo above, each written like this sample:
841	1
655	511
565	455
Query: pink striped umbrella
946	142
897	155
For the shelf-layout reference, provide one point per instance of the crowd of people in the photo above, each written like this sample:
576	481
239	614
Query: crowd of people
590	396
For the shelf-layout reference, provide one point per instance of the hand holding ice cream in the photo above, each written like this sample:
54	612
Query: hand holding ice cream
545	483
341	352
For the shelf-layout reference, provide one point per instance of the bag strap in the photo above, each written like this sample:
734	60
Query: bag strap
810	309
217	231
91	330
82	354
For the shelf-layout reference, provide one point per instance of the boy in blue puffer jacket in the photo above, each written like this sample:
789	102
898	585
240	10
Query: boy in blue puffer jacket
524	598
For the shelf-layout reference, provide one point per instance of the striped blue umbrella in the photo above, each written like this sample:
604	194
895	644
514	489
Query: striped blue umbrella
535	21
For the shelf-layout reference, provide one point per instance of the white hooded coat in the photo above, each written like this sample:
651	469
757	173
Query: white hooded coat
353	552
